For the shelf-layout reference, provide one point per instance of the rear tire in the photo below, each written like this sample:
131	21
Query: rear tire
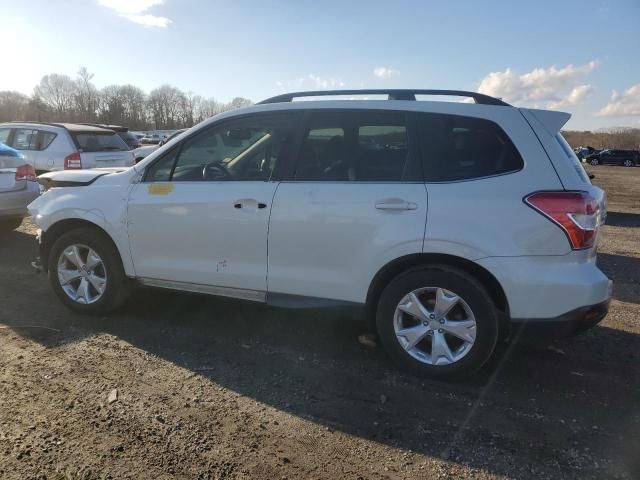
629	163
468	345
9	225
91	264
594	162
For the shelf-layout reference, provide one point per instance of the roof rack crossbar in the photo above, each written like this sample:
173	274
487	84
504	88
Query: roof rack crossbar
393	94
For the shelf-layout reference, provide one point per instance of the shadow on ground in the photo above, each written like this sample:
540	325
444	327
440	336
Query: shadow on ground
620	219
531	405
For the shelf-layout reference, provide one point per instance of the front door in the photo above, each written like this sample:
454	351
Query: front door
354	201
201	212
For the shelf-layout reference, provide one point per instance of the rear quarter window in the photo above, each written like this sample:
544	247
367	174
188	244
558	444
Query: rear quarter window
99	142
46	139
458	148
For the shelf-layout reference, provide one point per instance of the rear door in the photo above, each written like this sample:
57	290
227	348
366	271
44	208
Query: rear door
354	199
26	141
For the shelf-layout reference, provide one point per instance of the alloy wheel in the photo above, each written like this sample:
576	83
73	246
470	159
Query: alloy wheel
82	274
435	326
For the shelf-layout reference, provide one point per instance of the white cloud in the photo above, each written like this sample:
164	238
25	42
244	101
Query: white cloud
134	10
385	72
311	82
557	86
577	95
149	20
622	104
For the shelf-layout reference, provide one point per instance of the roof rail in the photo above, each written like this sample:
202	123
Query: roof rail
393	94
53	124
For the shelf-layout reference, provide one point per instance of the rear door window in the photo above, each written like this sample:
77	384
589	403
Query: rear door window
356	147
99	142
461	148
25	139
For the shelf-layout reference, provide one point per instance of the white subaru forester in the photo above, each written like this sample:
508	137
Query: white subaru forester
450	223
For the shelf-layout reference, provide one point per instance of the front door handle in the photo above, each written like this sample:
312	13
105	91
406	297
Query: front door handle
248	203
396	204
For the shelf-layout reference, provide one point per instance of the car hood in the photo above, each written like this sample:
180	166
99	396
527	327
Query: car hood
75	178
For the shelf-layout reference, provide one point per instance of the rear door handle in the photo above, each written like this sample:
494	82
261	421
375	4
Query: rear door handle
396	205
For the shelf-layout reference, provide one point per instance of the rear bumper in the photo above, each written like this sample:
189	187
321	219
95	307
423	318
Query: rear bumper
566	325
14	204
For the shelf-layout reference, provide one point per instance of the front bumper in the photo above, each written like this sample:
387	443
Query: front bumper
566	325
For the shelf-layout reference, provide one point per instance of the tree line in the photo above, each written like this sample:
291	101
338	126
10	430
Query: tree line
60	98
622	138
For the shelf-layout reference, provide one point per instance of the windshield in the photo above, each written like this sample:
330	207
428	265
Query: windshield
99	142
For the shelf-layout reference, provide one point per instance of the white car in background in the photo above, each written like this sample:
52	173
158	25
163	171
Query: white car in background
66	146
451	225
142	152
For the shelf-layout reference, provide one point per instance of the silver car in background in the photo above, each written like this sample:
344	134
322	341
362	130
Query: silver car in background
18	187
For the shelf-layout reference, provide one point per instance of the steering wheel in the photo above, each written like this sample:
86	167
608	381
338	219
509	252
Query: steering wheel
215	171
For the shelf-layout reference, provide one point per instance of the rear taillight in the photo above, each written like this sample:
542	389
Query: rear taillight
26	172
73	161
577	213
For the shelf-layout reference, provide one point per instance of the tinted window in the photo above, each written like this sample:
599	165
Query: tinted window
99	142
344	146
459	148
25	139
45	139
4	135
241	150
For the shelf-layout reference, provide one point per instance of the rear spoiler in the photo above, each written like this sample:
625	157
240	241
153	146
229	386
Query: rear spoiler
551	120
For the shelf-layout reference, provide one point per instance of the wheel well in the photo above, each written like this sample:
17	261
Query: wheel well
54	232
394	268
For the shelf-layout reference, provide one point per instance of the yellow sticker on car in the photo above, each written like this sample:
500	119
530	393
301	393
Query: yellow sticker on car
160	188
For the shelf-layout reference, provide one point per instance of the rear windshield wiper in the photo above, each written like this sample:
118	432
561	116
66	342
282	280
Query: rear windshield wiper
106	149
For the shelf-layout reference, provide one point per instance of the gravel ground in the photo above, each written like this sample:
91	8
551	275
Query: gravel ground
185	386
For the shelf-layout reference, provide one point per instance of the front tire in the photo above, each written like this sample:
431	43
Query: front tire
594	162
437	322
85	271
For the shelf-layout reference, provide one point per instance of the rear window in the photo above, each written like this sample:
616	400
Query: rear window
461	148
99	142
575	162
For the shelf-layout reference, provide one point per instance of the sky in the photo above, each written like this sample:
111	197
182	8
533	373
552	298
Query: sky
580	56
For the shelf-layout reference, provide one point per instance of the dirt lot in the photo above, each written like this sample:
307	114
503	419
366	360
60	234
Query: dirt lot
210	388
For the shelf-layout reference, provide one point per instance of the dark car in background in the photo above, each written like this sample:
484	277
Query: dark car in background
628	158
583	152
130	138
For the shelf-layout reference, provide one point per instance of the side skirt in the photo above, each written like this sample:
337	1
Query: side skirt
251	295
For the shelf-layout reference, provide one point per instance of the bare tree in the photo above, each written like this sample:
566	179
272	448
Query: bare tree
86	96
57	92
61	99
13	106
